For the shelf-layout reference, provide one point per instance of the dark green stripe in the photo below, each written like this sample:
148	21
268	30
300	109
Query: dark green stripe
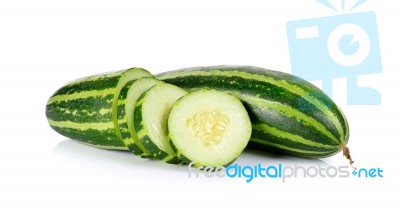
174	160
145	139
137	151
286	142
124	134
92	136
263	146
138	114
156	152
120	113
123	125
122	97
125	89
132	147
98	84
187	160
57	110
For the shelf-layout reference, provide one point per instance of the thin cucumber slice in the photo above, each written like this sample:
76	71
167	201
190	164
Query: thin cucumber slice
128	76
209	128
126	106
150	120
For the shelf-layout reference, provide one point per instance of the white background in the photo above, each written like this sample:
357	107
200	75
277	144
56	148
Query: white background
45	43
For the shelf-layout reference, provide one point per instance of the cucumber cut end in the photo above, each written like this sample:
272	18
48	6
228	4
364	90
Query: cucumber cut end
150	119
209	128
139	87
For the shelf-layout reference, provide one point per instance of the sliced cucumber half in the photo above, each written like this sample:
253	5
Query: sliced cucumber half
209	128
150	120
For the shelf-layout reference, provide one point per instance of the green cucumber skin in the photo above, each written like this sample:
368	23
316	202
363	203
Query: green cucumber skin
123	123
202	77
289	115
125	120
83	109
144	138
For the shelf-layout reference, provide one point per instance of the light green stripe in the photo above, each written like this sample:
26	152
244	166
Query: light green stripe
122	102
95	77
104	111
129	141
101	112
140	102
289	136
283	147
120	121
83	94
142	133
124	131
109	147
169	157
82	126
347	127
289	112
262	78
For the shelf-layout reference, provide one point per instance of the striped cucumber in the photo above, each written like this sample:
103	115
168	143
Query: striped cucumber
86	109
151	115
126	106
289	115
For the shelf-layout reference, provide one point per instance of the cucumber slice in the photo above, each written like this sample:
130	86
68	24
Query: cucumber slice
126	107
209	128
150	120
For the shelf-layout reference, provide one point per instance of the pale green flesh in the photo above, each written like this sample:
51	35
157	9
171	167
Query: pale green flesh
187	132
139	87
155	110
